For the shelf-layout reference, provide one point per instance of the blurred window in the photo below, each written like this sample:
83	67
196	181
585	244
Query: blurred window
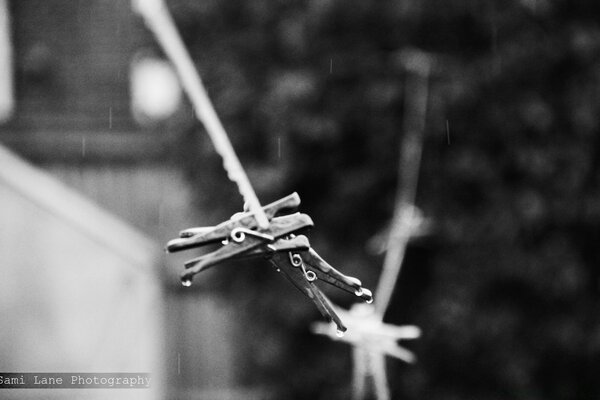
154	90
6	65
72	61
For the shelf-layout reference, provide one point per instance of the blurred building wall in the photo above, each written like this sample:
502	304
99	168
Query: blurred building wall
79	289
6	67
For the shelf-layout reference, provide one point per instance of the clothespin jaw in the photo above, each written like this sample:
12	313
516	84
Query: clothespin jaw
327	273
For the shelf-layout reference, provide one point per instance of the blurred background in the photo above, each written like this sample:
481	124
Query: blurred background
103	162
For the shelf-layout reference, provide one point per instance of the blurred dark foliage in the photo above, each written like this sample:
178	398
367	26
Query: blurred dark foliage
506	289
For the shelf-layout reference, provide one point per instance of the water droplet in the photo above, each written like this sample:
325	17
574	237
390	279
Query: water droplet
278	270
339	333
370	301
359	292
186	282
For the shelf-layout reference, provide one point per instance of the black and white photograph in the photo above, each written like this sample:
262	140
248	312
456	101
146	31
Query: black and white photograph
299	199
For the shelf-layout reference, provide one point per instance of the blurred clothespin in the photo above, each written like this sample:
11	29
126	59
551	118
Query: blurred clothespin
372	340
372	334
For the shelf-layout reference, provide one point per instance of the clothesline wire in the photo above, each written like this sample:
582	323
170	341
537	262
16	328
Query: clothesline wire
416	98
159	21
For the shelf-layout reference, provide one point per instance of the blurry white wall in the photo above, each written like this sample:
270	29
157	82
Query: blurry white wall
78	287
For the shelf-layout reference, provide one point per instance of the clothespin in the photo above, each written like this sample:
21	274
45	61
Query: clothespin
292	267
301	265
238	224
238	240
239	234
327	273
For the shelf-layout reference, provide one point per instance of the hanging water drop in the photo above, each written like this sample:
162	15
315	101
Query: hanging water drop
370	301
359	292
339	333
186	282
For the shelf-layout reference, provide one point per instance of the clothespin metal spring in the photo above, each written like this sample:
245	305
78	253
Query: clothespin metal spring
238	235
296	261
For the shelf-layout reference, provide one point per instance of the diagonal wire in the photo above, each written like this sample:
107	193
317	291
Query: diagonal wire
416	95
159	21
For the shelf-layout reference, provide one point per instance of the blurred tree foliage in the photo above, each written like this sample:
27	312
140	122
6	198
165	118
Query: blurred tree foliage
506	289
